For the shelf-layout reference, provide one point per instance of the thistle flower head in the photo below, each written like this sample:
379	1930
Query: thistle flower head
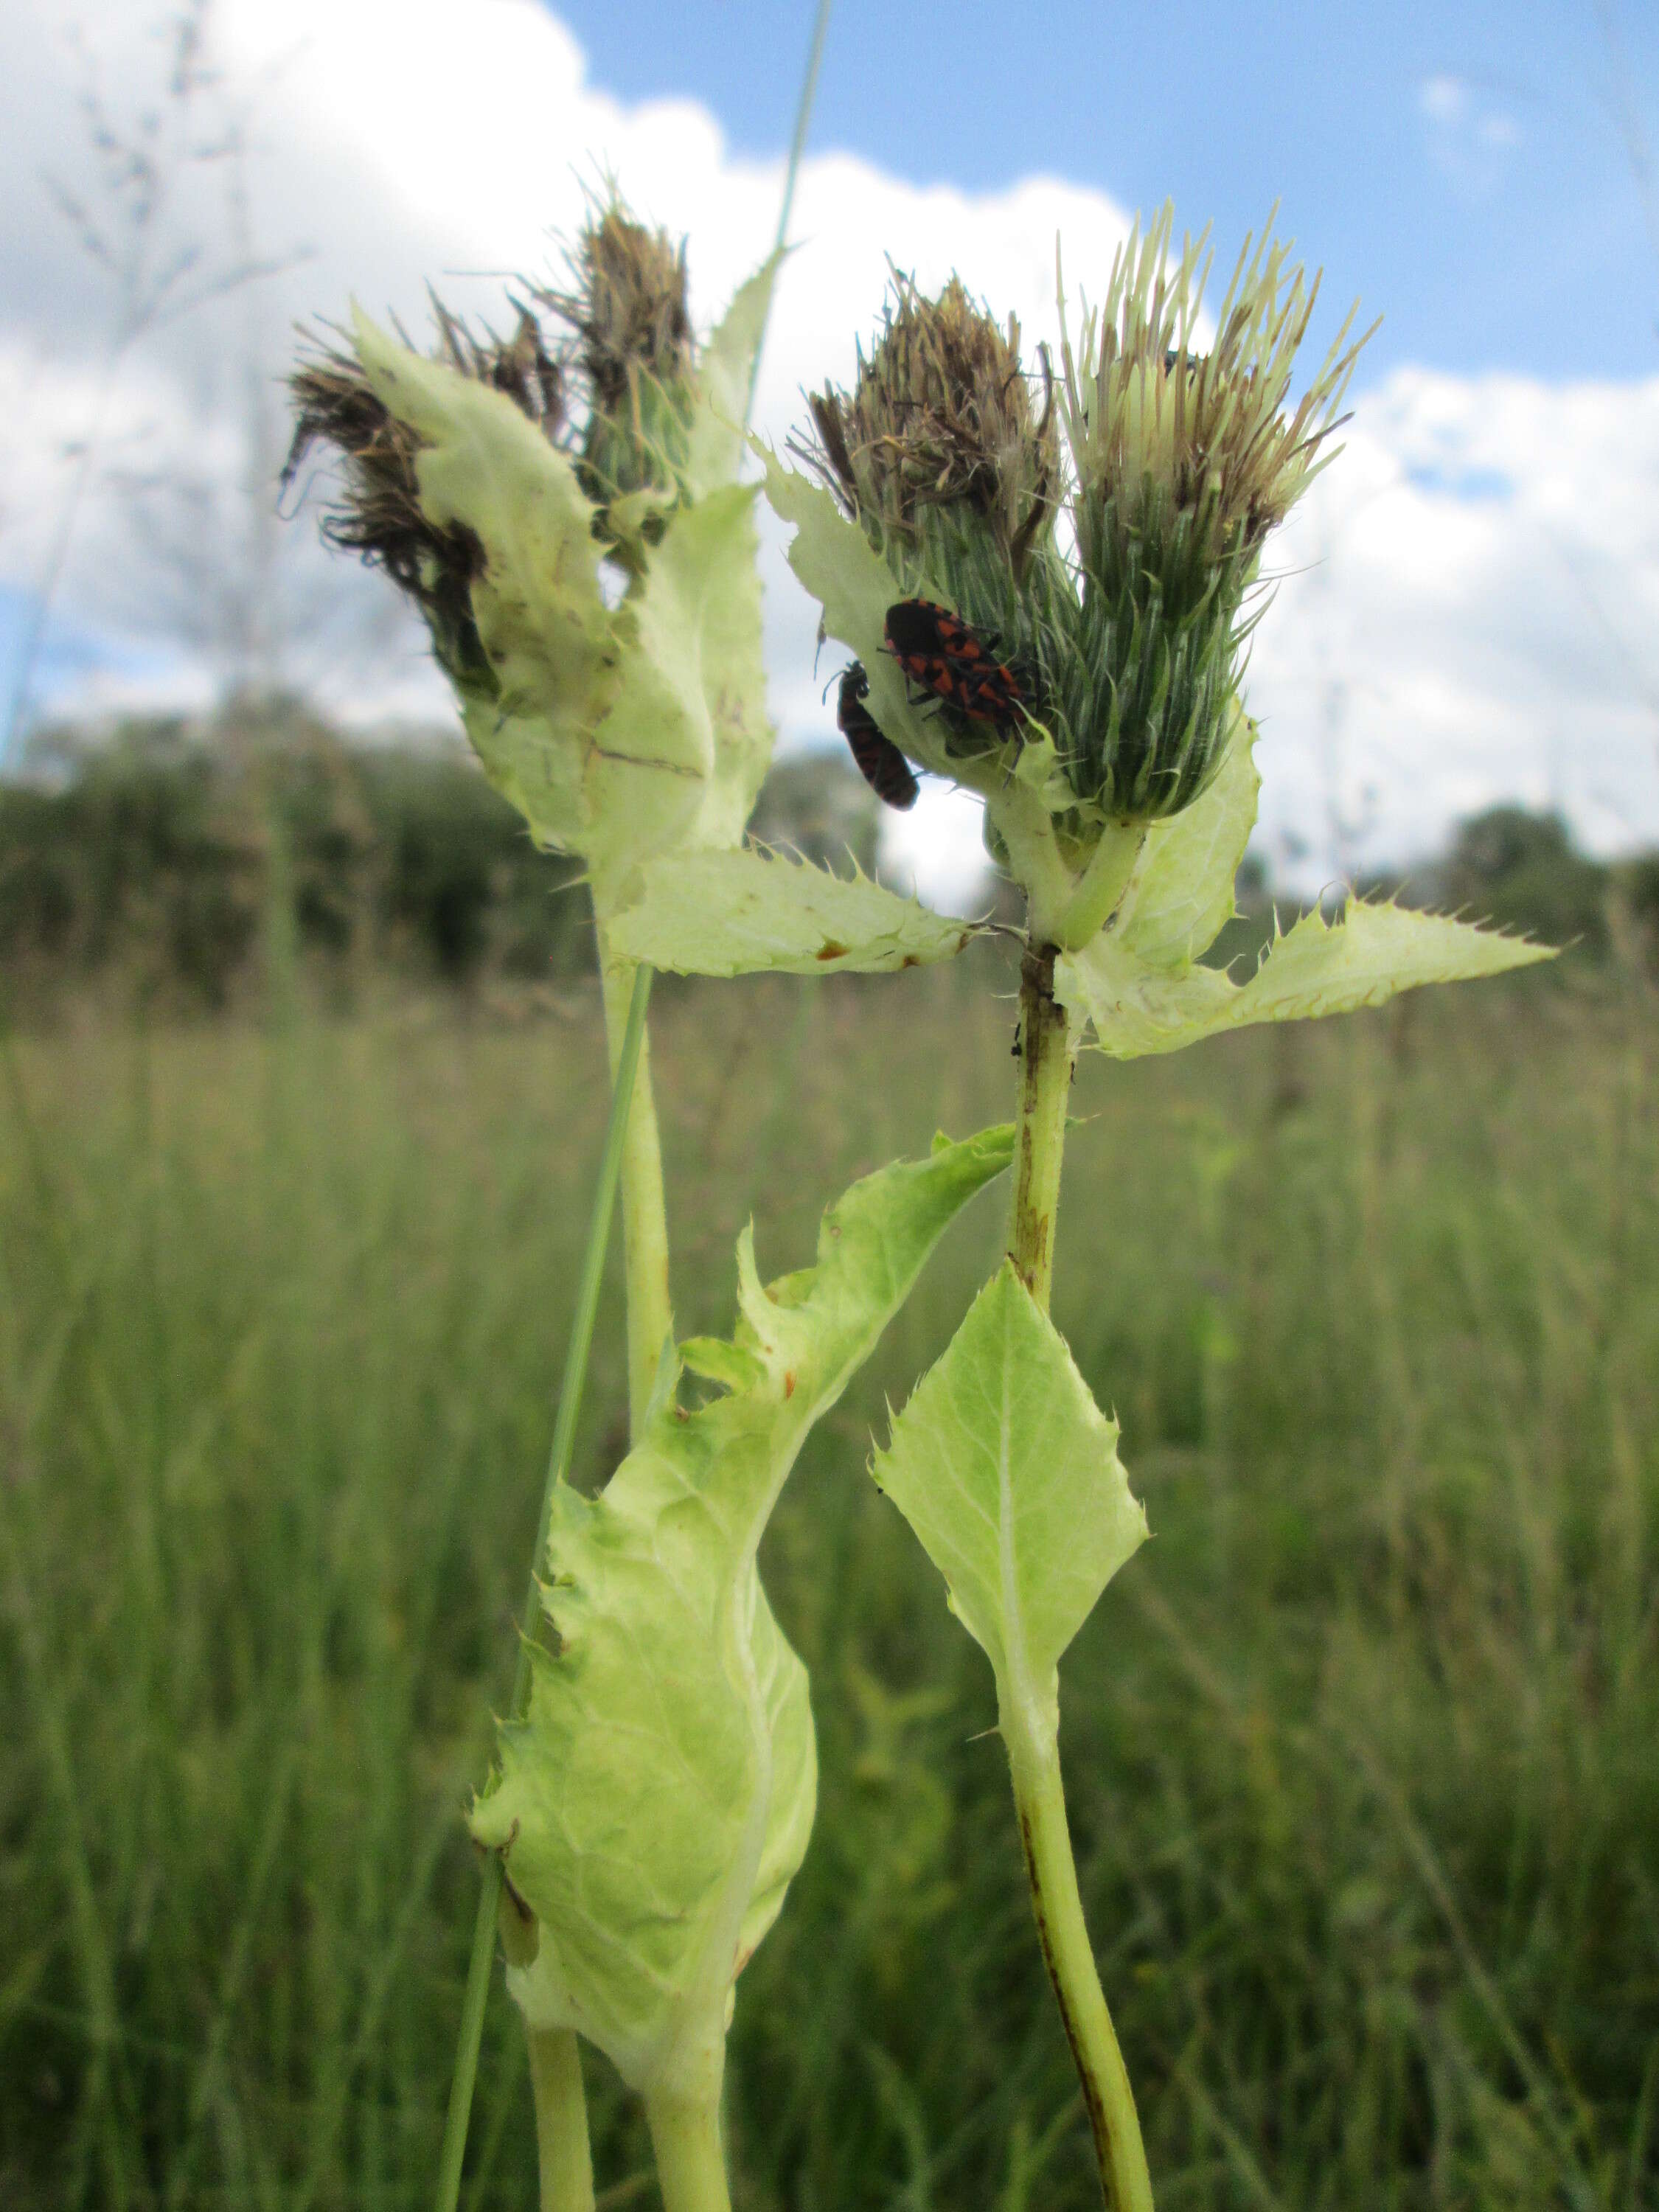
510	486
1160	432
950	464
627	306
631	349
1122	637
939	434
611	385
1182	462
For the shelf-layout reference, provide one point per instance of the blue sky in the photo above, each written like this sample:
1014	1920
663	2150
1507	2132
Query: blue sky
1463	169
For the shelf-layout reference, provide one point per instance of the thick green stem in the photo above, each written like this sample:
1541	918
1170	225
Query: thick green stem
690	2166
1030	1736
566	2162
1040	1800
563	2156
1045	1091
645	1213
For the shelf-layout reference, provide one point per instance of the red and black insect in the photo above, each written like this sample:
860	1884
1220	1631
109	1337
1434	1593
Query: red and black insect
881	764
941	655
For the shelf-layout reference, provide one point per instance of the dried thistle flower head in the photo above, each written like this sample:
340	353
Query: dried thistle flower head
632	349
379	514
626	358
939	436
626	307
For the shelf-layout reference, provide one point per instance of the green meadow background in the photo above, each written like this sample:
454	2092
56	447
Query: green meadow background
1362	1749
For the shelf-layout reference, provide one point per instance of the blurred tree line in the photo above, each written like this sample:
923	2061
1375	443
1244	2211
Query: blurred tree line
157	858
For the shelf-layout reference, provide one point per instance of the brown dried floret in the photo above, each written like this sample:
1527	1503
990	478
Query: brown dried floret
626	306
940	416
379	513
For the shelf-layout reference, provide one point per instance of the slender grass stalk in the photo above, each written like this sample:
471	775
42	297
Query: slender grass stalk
645	1211
564	1436
644	1216
796	148
91	1946
1032	1746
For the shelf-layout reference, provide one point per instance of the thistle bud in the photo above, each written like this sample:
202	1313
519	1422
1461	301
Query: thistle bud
939	422
1181	463
943	456
632	349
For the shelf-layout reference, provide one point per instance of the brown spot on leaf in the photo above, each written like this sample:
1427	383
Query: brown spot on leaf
830	950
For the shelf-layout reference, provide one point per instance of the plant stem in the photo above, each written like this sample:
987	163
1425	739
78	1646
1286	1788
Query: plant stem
558	1466
1040	1799
645	1213
1102	883
566	2161
1045	1091
1031	1739
691	2167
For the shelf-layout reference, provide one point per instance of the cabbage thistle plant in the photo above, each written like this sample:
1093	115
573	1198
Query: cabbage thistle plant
1110	570
564	508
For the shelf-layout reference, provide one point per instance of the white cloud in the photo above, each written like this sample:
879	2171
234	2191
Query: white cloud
1443	99
1476	581
1470	616
1471	135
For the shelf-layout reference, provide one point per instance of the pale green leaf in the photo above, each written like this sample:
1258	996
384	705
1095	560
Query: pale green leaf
736	914
681	754
854	587
1007	1471
1180	894
1369	955
723	368
781	1680
540	612
616	732
656	1801
537	767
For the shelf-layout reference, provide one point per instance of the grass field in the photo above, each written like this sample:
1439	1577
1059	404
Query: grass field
1362	1749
